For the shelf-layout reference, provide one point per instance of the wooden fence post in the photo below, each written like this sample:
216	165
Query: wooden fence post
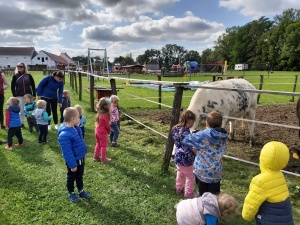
294	88
80	85
174	120
92	100
75	79
261	81
113	86
159	91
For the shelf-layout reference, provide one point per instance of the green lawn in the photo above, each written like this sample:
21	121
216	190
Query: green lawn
130	190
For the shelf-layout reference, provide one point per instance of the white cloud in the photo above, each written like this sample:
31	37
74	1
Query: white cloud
258	8
169	28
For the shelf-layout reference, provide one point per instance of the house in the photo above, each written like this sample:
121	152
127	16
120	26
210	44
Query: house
133	69
71	64
49	61
11	56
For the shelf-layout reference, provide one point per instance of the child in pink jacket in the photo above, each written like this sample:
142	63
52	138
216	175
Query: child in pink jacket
102	130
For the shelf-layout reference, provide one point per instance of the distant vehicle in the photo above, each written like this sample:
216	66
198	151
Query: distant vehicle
241	66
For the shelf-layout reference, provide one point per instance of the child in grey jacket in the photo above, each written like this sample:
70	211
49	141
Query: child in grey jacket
42	119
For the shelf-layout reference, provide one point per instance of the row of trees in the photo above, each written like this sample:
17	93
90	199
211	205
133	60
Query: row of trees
275	44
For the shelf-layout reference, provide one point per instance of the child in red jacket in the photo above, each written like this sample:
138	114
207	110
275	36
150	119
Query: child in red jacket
102	130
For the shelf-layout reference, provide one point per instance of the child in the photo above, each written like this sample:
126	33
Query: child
114	113
74	151
102	130
29	107
268	197
13	122
207	209
42	119
184	157
82	118
66	102
210	145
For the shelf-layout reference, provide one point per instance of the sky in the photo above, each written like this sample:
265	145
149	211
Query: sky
126	26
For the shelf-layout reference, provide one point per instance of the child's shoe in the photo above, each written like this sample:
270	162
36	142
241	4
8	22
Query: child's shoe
106	160
73	198
49	127
56	126
115	144
83	194
18	144
8	147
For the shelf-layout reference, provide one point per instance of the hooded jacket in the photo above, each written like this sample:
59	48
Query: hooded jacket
268	196
211	146
193	211
50	88
72	144
41	116
12	116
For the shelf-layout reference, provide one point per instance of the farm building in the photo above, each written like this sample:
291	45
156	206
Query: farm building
132	69
48	60
11	56
241	66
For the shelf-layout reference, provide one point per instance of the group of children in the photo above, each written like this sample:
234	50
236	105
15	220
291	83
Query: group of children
198	158
70	133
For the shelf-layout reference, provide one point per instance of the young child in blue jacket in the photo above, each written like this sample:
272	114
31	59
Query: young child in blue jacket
210	145
13	122
73	150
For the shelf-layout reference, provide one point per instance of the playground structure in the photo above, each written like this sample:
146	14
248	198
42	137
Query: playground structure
192	66
92	67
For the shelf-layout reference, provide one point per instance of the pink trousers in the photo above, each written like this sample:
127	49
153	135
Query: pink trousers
185	173
101	145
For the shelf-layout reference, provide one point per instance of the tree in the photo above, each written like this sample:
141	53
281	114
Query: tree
192	56
172	54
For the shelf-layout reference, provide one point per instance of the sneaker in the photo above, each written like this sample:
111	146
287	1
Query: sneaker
115	144
8	147
3	127
83	194
18	144
56	126
22	126
73	198
49	127
106	160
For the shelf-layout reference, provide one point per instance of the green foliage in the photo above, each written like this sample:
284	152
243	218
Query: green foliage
130	190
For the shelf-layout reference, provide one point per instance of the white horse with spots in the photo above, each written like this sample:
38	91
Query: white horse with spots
229	103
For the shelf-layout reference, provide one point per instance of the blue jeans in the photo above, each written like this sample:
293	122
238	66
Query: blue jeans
115	131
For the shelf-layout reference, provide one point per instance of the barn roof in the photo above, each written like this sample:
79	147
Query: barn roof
17	51
56	58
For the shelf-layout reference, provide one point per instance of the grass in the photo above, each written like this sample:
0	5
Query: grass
130	190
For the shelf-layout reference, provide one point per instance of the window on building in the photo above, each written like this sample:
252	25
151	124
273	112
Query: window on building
46	58
39	58
43	60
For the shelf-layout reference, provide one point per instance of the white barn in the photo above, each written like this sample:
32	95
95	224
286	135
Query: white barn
11	56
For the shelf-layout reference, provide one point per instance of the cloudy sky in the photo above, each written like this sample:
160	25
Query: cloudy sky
126	26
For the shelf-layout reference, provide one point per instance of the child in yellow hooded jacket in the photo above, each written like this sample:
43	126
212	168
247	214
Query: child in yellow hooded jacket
268	197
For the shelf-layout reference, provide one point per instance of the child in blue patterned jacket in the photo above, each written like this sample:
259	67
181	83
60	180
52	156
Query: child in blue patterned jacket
184	156
210	145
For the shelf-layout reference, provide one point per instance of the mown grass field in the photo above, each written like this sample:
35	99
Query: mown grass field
130	190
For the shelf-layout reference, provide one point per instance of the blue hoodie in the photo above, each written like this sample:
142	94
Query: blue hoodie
211	145
48	87
72	144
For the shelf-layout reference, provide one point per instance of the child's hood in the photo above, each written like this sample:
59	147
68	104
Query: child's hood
38	112
216	133
14	108
274	156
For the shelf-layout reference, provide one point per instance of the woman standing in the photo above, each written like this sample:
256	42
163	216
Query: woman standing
3	86
51	89
22	83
